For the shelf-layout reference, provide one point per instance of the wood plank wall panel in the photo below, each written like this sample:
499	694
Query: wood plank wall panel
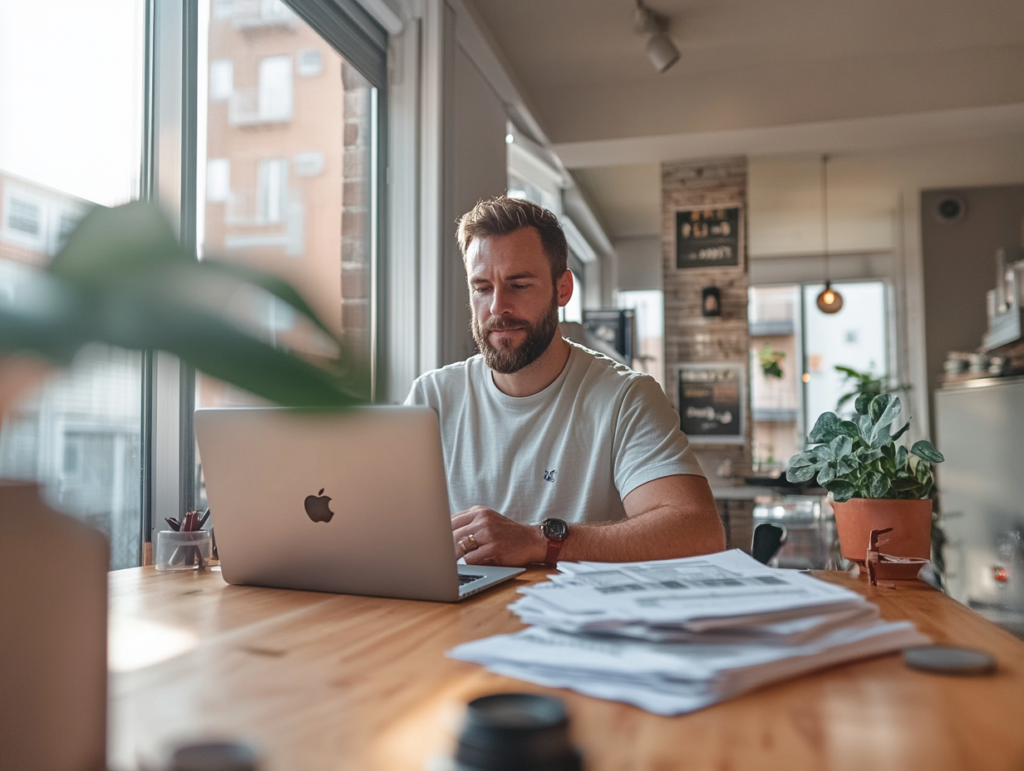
689	335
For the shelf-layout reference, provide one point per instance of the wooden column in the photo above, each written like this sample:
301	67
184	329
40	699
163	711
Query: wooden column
691	337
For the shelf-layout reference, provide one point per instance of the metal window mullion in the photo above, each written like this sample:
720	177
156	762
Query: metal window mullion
189	236
147	192
169	178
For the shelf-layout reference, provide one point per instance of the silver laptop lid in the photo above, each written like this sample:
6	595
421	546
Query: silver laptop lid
352	502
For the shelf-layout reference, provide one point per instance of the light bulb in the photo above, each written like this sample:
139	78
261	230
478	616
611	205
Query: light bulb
830	301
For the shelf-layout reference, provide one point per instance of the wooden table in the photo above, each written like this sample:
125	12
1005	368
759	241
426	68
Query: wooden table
339	682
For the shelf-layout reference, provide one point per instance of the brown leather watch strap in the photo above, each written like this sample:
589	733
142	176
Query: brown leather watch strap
554	547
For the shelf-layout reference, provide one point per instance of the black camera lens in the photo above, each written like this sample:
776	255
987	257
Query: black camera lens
516	731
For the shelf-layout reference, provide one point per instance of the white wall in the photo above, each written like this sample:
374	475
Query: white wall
639	263
478	164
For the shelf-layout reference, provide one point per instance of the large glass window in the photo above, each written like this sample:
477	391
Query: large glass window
649	315
70	137
854	338
794	351
291	161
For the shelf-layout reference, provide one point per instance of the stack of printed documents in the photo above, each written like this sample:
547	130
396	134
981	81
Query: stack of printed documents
674	636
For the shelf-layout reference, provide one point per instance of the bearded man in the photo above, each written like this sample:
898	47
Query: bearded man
553	451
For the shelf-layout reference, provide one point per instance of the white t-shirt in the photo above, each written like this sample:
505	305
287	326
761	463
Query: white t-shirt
572	451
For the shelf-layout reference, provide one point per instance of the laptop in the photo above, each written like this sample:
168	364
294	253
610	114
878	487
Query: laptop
352	502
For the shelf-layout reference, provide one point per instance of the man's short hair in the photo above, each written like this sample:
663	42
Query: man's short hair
502	215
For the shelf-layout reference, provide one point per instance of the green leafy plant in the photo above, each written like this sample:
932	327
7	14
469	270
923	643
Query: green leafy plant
123	279
770	361
864	383
859	458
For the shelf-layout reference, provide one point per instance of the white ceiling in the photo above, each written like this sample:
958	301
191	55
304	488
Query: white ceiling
755	76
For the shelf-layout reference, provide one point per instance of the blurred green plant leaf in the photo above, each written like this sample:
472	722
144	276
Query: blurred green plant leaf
123	279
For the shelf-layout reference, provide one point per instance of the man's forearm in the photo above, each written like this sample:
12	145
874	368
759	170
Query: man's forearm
666	518
664	533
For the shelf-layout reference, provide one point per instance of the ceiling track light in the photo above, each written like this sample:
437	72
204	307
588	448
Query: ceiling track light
660	49
829	301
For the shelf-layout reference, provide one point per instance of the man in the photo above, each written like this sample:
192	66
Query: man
554	452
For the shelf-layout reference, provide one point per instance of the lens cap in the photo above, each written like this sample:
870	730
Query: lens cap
515	731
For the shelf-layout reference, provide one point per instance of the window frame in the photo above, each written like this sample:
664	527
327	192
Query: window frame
170	154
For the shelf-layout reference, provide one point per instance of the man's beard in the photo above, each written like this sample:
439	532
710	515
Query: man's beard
507	358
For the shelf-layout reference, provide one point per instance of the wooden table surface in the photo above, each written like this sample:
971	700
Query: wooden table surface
336	682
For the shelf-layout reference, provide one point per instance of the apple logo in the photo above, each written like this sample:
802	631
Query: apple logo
318	508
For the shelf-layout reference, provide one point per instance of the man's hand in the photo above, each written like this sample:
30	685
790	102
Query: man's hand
498	540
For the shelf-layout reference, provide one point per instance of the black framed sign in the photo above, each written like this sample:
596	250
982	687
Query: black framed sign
709	238
712	402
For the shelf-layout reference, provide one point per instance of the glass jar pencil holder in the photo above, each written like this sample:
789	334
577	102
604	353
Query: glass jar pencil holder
183	550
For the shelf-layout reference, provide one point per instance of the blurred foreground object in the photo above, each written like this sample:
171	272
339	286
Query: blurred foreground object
214	756
515	731
53	637
123	279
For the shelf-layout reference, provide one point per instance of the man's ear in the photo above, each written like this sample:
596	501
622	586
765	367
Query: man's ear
563	288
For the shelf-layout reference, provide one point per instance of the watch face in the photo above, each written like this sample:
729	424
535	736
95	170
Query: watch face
555	528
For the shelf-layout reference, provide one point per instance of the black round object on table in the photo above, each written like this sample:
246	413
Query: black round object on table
215	756
515	731
949	660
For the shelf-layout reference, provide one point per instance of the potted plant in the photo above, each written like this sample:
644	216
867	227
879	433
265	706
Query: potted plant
122	279
875	483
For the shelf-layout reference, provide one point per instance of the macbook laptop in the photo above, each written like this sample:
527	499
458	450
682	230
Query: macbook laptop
354	502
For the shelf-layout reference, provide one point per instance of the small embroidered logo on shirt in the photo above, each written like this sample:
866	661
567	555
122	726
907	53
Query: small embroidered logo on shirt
549	476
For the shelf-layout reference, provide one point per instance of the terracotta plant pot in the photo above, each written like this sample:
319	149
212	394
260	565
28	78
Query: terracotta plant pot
53	643
911	523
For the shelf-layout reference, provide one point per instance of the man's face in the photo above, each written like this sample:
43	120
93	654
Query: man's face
513	298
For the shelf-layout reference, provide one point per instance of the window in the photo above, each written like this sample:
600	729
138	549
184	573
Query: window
223	9
218	180
301	198
573	310
24	217
66	223
649	317
221	79
275	92
794	351
272	187
309	164
309	62
856	339
73	134
71	137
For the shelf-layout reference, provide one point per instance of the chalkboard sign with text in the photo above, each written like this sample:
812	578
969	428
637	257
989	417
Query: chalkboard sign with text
708	238
712	402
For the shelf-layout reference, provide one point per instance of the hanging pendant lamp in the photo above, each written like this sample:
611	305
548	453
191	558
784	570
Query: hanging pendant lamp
829	301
